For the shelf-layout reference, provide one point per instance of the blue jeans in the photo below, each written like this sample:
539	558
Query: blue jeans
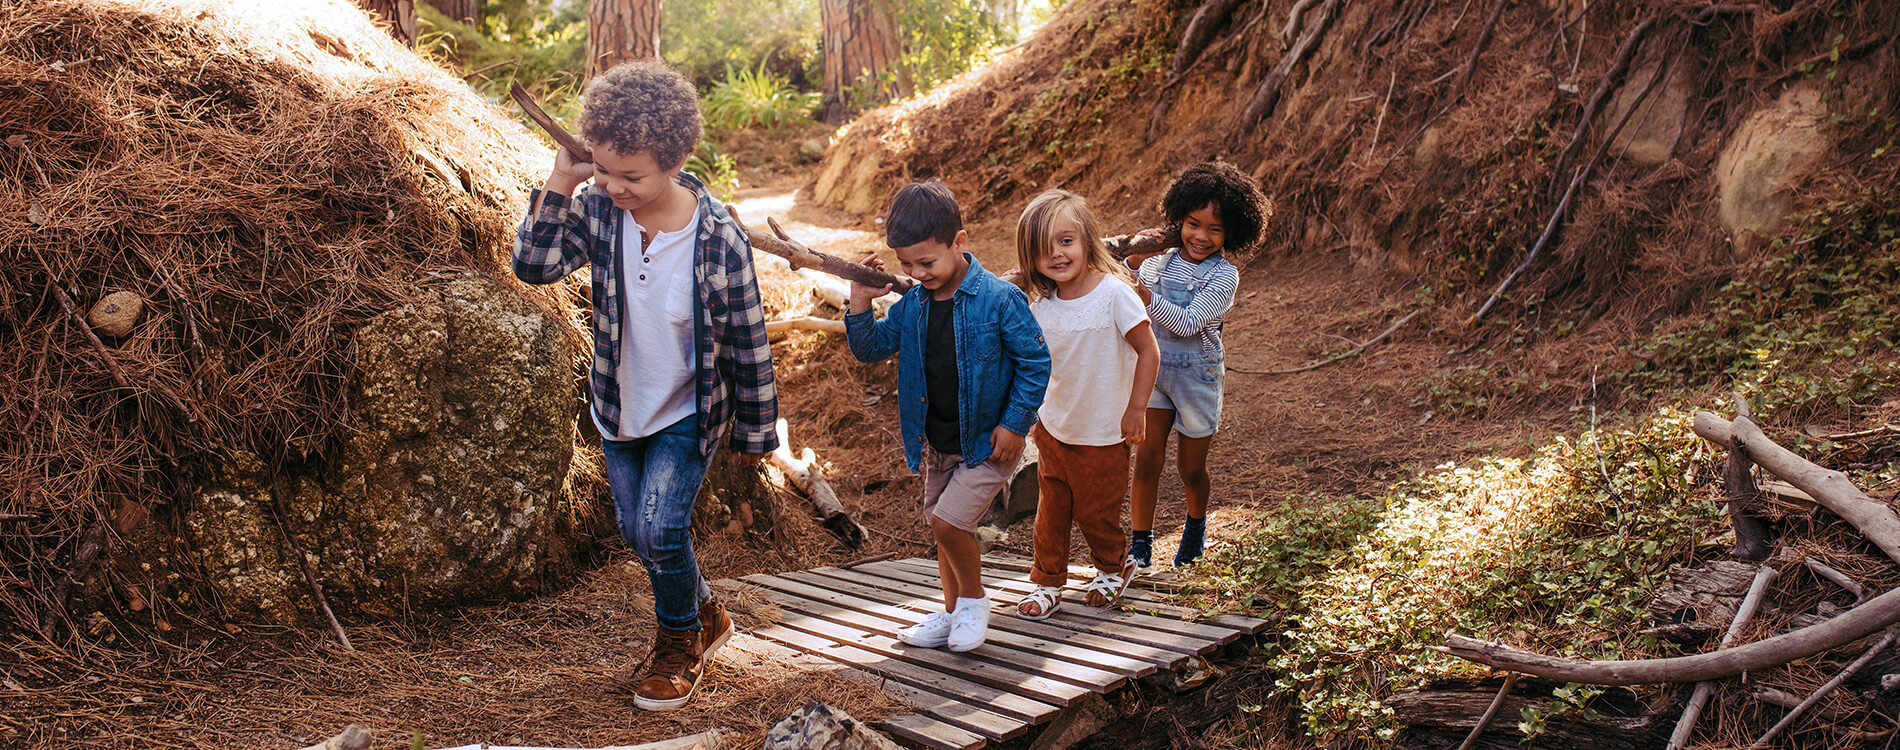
655	481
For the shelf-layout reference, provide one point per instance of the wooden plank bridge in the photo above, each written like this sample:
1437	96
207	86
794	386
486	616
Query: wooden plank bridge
845	620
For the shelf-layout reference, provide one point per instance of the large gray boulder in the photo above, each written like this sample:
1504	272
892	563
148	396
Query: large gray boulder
451	487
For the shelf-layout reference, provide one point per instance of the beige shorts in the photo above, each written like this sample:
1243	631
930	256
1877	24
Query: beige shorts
960	494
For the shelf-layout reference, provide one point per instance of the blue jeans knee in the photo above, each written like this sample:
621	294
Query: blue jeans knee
655	481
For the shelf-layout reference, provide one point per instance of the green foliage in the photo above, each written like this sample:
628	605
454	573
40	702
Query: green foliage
745	98
707	38
1811	327
714	168
947	37
1557	553
1093	87
1301	538
544	48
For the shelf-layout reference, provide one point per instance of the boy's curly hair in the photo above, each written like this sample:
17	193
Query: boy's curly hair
642	106
1236	198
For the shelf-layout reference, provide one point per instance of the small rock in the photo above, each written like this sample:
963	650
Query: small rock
818	726
116	314
812	148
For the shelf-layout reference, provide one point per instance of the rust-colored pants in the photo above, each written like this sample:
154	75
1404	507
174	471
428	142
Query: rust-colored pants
1083	484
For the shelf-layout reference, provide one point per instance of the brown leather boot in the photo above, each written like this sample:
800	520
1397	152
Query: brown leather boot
671	672
715	628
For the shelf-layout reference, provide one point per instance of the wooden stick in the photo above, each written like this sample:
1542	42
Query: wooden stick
1471	62
1624	55
1751	533
1563	207
1840	579
802	257
809	477
282	513
1831	489
1510	681
575	148
1857	623
1700	699
805	324
1827	687
1267	95
1337	357
1142	243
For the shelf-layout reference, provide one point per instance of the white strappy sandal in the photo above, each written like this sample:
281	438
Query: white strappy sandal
1112	586
1047	599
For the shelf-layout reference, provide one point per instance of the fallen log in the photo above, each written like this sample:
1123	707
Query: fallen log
1831	489
804	473
1857	623
1700	698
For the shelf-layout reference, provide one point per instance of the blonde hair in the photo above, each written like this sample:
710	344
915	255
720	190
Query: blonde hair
1035	238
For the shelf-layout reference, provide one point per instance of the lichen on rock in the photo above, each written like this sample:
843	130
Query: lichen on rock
453	485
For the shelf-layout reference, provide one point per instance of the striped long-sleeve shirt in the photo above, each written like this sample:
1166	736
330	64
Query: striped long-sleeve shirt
1213	282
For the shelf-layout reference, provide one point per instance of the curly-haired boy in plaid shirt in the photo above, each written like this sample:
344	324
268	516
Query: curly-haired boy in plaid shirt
680	354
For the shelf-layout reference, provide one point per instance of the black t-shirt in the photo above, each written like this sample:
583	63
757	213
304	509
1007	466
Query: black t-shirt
940	379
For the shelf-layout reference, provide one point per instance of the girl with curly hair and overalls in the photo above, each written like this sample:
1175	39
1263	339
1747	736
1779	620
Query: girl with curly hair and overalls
1218	210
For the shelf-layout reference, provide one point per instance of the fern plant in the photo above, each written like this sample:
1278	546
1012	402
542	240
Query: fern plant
748	97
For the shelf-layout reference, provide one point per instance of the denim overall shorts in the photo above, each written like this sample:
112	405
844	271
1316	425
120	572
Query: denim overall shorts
1191	378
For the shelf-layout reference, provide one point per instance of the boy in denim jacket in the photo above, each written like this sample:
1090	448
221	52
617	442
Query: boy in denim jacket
680	355
972	367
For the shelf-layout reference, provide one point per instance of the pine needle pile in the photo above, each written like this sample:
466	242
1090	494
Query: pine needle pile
263	179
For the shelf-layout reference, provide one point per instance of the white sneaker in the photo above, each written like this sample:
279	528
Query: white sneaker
934	631
970	624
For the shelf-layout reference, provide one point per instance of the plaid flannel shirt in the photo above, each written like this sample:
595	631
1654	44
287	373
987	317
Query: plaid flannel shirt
733	384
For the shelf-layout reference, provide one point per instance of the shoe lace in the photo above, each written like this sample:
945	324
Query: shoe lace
673	654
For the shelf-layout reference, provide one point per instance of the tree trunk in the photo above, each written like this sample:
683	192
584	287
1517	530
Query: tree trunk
457	10
862	46
621	31
399	14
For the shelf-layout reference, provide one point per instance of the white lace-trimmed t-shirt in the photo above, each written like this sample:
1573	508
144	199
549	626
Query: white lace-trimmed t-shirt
1092	366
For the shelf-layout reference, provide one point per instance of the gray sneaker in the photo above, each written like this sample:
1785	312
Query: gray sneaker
933	632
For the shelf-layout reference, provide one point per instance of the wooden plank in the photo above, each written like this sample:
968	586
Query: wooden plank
832	607
1139	599
1112	623
1166	582
989	725
992	699
1012	679
1142	660
1250	625
1156	620
1047	648
921	731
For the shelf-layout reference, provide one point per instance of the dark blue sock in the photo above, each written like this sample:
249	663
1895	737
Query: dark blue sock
1193	540
1141	546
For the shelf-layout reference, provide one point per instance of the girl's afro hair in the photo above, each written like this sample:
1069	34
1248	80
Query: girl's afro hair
1243	209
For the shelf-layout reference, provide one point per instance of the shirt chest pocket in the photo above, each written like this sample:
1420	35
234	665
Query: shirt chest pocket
986	342
679	297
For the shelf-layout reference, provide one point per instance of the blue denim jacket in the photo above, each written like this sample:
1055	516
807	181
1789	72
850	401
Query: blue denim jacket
1002	362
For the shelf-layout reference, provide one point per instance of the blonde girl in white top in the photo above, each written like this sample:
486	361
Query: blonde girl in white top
1103	360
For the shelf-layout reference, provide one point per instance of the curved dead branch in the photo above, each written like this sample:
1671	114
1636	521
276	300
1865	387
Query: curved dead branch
1854	624
1831	489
